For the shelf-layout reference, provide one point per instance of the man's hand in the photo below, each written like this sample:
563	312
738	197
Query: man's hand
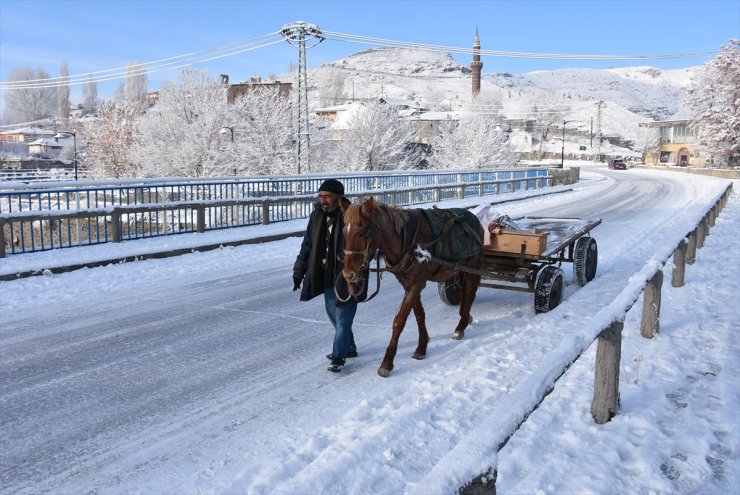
296	283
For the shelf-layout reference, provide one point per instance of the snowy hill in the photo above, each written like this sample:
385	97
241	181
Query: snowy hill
438	82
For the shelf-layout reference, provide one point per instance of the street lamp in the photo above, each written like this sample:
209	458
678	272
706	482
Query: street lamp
223	132
562	150
61	135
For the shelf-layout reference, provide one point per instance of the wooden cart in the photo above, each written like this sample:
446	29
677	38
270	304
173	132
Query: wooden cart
529	259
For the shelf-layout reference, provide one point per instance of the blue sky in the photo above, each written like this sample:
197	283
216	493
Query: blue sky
95	35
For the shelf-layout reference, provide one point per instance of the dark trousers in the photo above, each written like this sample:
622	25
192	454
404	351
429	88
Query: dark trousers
341	317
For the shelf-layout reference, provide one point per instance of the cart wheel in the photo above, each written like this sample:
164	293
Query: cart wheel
549	289
585	259
449	292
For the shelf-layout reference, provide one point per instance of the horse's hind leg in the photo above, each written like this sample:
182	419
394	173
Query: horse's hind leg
421	349
468	287
399	322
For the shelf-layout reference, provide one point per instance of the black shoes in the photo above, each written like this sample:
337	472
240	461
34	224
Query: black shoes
336	365
350	354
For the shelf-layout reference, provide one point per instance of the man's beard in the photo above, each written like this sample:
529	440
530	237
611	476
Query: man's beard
329	208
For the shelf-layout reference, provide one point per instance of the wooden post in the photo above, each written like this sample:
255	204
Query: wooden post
484	484
115	225
606	381
461	192
498	188
200	222
691	251
265	212
650	324
480	190
701	233
679	264
712	216
706	226
437	194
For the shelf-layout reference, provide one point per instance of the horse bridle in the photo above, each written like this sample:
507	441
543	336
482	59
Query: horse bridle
367	255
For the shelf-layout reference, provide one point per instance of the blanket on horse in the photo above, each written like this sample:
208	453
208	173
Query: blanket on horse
457	233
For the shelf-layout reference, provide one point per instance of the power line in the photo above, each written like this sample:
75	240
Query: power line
349	38
147	67
185	60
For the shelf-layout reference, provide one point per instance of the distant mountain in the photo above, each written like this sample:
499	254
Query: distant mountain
434	80
653	93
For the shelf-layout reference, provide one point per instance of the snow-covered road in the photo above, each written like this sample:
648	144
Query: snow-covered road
203	373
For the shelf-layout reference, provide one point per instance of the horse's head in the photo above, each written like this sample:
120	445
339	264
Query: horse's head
361	240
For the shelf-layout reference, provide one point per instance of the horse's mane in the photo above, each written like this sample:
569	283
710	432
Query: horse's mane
396	217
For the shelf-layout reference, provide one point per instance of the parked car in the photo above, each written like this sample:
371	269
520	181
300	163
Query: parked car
617	165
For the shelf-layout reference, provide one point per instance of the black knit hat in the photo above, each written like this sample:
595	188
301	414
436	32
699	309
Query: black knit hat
332	185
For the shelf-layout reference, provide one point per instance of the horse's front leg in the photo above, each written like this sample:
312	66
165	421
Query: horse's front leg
399	322
468	287
421	348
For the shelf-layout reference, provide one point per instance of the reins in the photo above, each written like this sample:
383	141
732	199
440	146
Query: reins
366	259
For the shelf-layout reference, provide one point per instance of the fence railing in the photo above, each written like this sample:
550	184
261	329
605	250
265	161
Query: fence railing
45	219
499	428
42	175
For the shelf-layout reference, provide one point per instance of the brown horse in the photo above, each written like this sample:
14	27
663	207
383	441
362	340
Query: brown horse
403	236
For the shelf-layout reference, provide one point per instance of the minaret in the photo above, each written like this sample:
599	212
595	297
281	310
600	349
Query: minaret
476	65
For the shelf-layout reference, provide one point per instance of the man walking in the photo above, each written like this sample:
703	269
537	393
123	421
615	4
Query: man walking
318	264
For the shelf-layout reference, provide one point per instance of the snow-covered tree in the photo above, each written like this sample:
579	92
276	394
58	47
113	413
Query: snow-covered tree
487	104
376	138
646	139
63	90
546	117
180	135
29	103
264	141
471	144
133	91
715	97
110	140
331	86
90	96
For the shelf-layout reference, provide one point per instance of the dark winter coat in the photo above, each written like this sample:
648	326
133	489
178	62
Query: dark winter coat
308	262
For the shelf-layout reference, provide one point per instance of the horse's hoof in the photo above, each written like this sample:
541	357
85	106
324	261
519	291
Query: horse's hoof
419	355
457	335
384	372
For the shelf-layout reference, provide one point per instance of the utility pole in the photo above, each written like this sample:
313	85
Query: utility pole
296	34
599	104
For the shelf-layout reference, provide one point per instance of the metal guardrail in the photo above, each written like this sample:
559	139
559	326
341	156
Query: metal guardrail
605	402
34	218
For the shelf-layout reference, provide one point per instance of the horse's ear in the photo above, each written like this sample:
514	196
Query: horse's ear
344	205
368	206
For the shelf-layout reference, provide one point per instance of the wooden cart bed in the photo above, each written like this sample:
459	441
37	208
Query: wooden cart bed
539	237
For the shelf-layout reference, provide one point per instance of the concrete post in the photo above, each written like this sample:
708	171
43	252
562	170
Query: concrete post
115	225
265	212
2	239
200	225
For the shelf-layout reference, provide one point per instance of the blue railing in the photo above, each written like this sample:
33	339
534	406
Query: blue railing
44	230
